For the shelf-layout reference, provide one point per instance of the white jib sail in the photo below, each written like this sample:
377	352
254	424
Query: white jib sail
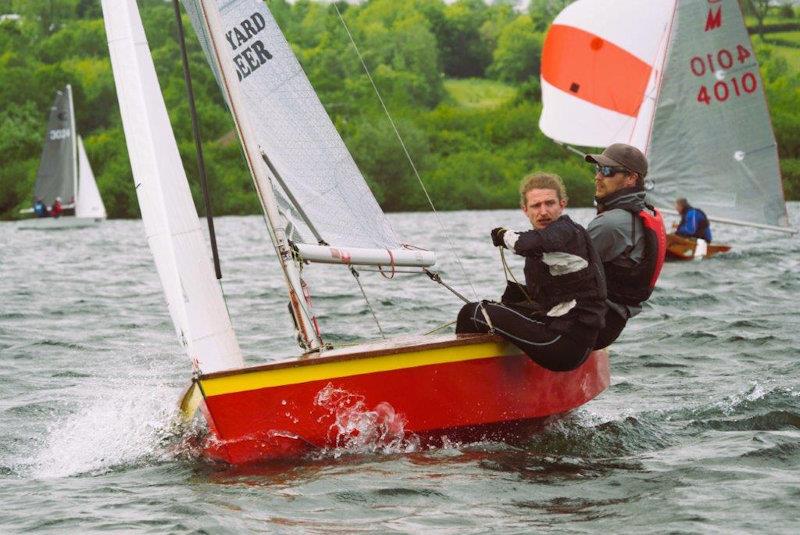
601	66
89	203
173	230
292	128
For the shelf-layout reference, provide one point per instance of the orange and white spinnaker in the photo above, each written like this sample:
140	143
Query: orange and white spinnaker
601	65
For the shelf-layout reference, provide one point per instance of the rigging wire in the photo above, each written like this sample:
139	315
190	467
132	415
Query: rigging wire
369	305
405	150
198	142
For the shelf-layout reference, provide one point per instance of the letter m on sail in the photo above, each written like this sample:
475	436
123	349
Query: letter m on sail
714	19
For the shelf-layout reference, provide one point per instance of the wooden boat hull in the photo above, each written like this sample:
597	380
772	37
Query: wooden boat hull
58	223
457	387
682	248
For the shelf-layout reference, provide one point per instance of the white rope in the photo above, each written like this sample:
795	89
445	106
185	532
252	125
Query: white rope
405	150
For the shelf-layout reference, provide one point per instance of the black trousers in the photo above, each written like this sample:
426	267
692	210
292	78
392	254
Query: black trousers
615	323
549	349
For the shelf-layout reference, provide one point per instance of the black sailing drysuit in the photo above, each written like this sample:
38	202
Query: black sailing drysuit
555	318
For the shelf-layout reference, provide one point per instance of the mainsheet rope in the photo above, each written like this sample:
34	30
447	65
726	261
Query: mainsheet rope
405	151
507	270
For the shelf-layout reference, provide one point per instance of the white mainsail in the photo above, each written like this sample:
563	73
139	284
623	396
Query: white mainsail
679	80
291	127
89	203
172	226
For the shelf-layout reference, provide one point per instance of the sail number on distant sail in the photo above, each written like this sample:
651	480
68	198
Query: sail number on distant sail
59	133
256	54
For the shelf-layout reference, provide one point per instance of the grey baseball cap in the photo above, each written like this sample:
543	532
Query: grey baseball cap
621	155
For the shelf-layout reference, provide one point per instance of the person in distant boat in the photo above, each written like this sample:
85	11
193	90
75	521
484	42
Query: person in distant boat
56	209
555	316
694	223
627	233
39	208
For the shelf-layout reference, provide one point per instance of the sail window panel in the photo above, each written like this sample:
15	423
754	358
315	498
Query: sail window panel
712	139
294	130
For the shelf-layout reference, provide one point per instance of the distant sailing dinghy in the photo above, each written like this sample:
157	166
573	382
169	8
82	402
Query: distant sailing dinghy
679	80
64	173
683	248
420	388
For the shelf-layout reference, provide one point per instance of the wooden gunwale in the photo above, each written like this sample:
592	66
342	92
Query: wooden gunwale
365	351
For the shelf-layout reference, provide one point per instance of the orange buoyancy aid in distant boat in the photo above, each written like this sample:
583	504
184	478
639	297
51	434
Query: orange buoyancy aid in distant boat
632	285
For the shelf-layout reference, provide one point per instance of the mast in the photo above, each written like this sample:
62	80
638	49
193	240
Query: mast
73	135
304	320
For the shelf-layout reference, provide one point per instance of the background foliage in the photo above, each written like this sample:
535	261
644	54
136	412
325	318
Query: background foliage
461	81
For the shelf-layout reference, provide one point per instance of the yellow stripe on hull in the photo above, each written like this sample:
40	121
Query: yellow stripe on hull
253	380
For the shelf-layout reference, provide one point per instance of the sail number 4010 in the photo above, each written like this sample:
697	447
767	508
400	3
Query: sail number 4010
723	59
724	89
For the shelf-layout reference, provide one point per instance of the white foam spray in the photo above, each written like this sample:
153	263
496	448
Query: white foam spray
122	423
358	429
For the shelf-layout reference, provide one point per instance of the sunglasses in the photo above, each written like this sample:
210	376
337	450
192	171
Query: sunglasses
608	171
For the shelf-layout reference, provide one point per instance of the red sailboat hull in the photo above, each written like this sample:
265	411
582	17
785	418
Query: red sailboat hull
455	387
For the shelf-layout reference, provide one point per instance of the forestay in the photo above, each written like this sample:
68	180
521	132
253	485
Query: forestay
173	229
56	174
89	203
293	129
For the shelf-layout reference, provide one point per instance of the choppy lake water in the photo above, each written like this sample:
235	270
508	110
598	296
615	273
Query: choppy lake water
699	431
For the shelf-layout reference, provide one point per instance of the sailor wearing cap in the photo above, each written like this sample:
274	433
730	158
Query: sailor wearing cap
628	235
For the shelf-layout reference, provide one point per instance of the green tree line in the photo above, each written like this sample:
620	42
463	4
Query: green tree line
461	80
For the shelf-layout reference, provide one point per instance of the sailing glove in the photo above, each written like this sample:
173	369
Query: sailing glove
497	236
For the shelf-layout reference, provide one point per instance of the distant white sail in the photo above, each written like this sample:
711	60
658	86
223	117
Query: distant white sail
173	230
89	202
292	127
678	79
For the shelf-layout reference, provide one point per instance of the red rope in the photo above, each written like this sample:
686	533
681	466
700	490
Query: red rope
394	266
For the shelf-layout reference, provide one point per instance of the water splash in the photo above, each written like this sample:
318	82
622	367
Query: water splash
359	429
122	424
